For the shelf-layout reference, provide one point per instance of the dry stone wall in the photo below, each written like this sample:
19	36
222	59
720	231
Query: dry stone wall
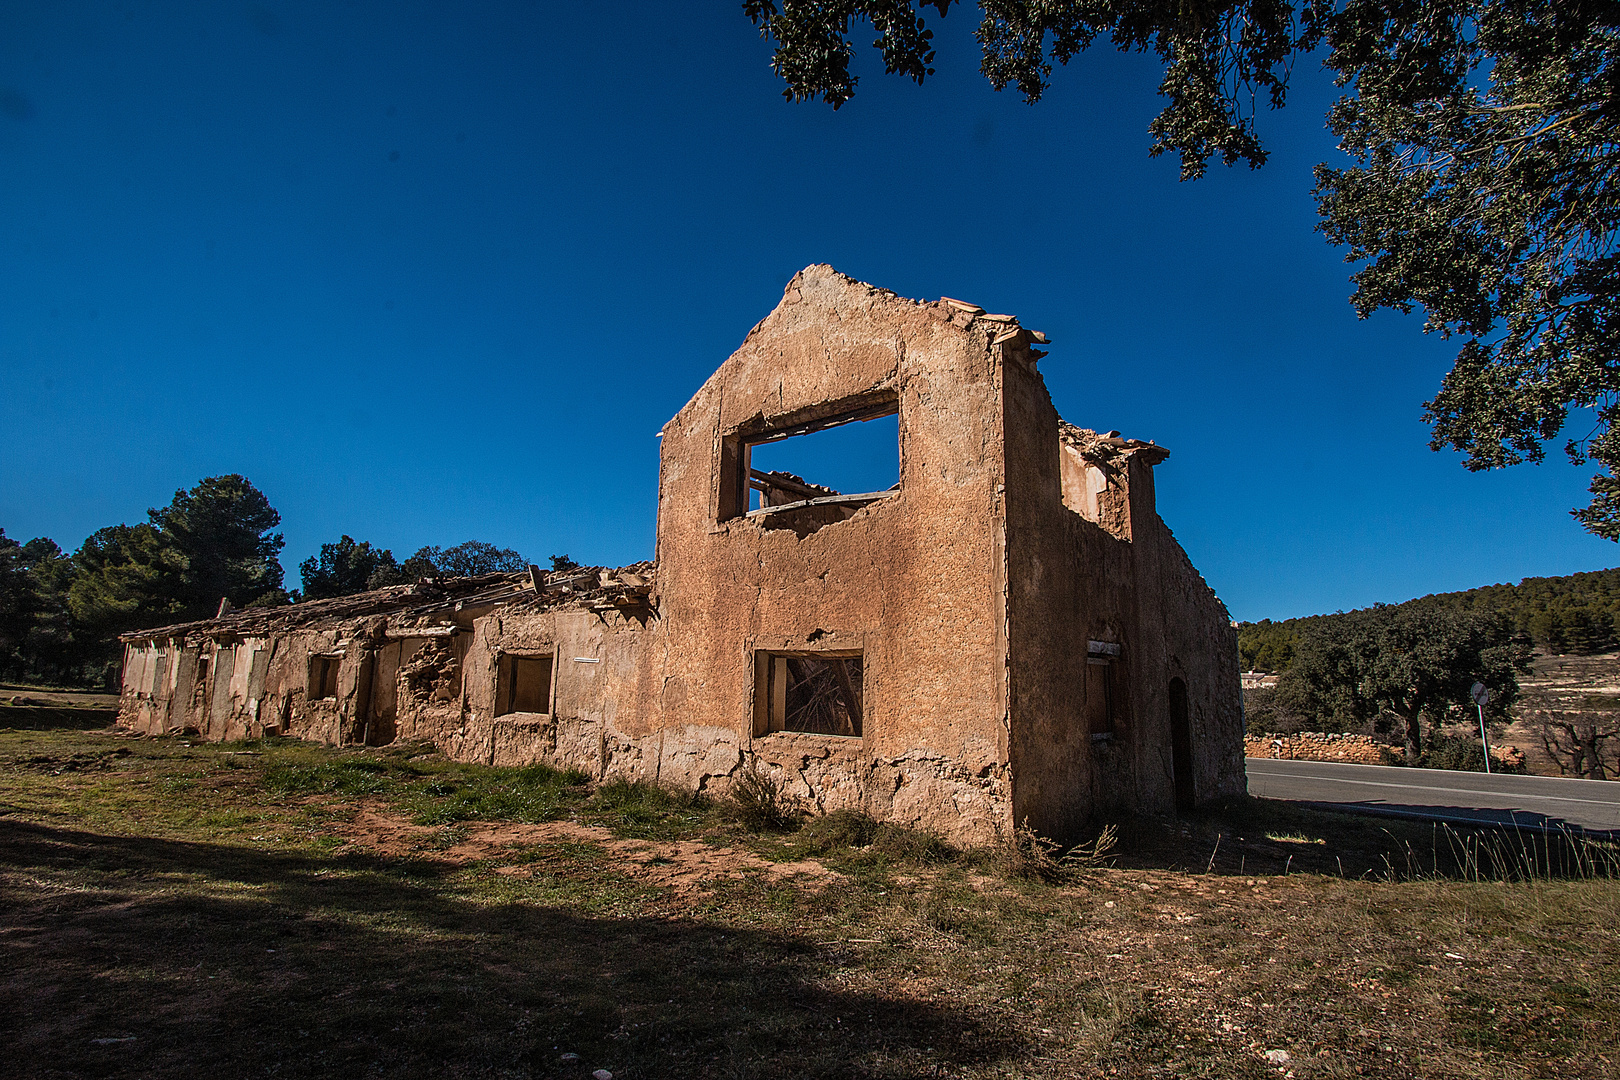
1322	746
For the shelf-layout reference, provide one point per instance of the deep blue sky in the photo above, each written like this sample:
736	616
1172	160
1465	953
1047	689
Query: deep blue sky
426	272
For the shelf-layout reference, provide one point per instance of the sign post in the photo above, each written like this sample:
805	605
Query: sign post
1482	696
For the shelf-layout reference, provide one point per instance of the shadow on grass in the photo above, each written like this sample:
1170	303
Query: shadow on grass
1251	835
53	718
139	956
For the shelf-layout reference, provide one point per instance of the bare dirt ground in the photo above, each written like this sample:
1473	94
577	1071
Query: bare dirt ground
1558	682
688	868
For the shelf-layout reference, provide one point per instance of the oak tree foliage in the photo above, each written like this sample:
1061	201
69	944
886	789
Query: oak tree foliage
1482	184
1485	189
351	566
476	557
1411	661
1220	59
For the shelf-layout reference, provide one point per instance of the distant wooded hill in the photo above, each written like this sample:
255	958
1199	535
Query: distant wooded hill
1577	613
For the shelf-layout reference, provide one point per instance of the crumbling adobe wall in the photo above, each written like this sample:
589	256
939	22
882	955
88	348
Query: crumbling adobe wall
913	580
146	692
428	689
1090	559
1074	579
1201	648
287	707
225	704
595	684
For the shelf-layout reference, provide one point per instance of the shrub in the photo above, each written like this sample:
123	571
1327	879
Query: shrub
758	802
1026	855
1029	856
1265	714
1460	752
856	831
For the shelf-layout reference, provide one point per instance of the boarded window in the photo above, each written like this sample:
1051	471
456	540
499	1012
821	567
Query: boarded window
1102	689
522	684
812	692
323	676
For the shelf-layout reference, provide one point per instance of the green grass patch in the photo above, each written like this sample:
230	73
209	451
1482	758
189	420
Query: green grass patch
181	910
641	810
528	795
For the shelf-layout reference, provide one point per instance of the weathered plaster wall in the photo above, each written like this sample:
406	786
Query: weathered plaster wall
913	581
1090	559
1201	648
1071	581
253	686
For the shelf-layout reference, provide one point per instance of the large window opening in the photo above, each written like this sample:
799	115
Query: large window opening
819	693
323	677
814	473
523	684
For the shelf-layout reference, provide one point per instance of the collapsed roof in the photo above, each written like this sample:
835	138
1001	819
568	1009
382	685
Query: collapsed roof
431	602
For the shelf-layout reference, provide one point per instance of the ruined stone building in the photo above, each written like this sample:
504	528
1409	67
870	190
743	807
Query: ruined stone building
1008	634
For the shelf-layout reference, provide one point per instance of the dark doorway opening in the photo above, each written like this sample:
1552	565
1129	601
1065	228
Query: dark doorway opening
1181	759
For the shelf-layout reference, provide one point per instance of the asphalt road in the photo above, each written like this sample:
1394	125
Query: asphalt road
1440	795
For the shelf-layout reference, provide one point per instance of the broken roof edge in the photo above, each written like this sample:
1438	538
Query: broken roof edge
1101	446
998	330
398	603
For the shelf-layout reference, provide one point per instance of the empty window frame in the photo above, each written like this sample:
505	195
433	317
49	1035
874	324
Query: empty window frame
810	469
522	684
819	693
323	676
1103	692
199	681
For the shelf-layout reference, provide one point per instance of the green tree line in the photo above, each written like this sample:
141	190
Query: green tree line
61	613
1405	670
1576	613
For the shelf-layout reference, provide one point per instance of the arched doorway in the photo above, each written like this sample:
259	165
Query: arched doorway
1181	759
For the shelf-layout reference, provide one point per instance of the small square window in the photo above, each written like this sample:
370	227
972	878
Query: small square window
323	677
812	692
522	684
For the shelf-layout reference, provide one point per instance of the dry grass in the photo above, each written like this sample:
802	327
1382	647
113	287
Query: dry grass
174	910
